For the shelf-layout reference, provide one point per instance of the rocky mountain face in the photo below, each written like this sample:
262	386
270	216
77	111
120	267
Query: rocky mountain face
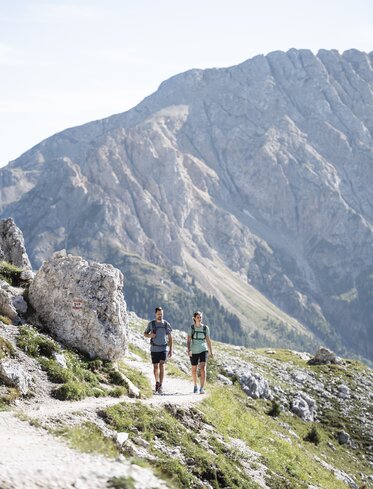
256	180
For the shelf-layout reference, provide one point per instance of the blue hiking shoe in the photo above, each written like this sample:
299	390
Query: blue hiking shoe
195	390
202	390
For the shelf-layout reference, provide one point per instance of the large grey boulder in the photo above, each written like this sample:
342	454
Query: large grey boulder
324	356
82	304
12	247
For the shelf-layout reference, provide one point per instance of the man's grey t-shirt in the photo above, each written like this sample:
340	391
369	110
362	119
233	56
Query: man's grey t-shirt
162	329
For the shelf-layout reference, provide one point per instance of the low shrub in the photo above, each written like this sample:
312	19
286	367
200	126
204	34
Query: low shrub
313	436
36	344
275	410
70	391
10	273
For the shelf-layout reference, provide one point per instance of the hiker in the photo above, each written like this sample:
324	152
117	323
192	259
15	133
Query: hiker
198	346
159	332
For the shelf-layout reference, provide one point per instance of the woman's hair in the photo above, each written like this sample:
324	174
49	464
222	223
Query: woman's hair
197	313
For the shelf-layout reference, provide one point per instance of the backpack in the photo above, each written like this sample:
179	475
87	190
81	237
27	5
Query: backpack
154	330
204	329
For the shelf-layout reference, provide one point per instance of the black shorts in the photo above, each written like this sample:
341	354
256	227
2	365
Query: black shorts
158	356
201	357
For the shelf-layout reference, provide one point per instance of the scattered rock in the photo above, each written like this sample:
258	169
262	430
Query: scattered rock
13	375
60	359
224	379
82	303
343	392
20	304
323	357
121	438
343	438
304	407
6	303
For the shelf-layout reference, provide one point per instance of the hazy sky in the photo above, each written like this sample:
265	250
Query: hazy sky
65	62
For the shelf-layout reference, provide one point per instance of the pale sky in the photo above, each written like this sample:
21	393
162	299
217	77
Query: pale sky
64	63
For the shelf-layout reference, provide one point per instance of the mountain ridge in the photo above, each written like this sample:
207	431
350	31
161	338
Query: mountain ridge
263	167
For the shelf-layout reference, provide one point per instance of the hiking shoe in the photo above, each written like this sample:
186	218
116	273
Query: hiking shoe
160	390
157	384
202	390
195	390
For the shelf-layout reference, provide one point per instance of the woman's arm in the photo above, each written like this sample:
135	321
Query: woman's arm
188	345
209	345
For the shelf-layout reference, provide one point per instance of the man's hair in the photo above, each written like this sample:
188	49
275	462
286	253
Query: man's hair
158	309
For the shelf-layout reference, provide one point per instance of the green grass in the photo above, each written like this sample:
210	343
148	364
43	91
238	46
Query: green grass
6	348
88	438
226	410
70	391
282	355
36	344
175	428
83	377
5	320
121	483
137	378
6	399
10	273
138	351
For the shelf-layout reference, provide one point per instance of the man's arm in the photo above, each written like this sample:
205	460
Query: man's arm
148	333
170	345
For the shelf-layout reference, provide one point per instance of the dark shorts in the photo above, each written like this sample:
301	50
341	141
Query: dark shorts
198	357
158	356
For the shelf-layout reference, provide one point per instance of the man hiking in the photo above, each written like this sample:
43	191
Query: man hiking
159	331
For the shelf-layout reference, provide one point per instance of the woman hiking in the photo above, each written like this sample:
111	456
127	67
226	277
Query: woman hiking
199	347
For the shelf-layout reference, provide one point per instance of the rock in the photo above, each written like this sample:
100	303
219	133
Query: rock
254	385
343	392
133	391
224	379
12	246
343	438
82	304
270	352
6	303
304	407
13	375
60	359
121	438
323	357
140	441
20	304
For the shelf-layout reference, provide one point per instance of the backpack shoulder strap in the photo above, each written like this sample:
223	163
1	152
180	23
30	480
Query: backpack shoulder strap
204	330
193	331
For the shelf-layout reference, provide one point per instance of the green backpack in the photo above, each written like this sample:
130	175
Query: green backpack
194	332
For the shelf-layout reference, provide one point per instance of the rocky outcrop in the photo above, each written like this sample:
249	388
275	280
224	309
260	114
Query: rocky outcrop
82	304
304	406
12	302
13	375
324	357
261	169
12	247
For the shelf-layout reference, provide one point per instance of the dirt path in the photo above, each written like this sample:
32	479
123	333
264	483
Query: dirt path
31	458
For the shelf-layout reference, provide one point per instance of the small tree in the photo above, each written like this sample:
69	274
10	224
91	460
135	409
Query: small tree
313	436
275	409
